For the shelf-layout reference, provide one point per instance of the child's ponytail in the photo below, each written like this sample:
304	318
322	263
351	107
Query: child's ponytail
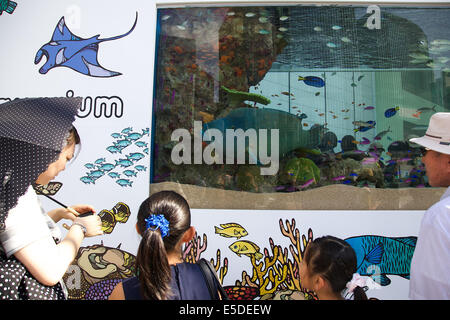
154	270
162	220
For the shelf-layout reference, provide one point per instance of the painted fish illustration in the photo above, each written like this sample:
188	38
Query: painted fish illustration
378	256
136	156
231	230
7	6
312	81
124	182
130	173
114	149
391	112
247	248
68	50
124	163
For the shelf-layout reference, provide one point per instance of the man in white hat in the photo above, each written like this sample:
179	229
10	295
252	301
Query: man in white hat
430	265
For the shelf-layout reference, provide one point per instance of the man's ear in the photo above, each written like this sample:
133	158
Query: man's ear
188	234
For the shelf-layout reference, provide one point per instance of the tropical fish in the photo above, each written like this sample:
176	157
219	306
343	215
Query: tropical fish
312	81
284	18
263	31
391	112
307	183
250	14
317	29
68	50
89	166
283	29
336	27
382	134
124	182
363	123
426	109
369	108
417	114
364	141
345	39
231	230
338	178
247	248
7	6
291	133
378	256
331	45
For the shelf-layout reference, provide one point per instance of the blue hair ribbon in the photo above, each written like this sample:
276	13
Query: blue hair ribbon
154	222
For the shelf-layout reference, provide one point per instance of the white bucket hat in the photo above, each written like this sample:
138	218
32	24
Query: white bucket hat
437	137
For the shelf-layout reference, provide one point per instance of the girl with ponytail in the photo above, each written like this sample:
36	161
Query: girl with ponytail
328	268
164	222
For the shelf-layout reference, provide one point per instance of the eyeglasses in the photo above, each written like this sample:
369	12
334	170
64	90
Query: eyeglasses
423	151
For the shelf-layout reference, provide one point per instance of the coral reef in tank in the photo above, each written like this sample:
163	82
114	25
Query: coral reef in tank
211	63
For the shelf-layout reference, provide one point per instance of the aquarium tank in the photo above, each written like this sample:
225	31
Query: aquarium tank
282	100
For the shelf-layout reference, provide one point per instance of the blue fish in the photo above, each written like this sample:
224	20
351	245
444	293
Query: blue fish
130	173
68	50
141	144
378	256
391	112
127	130
114	149
124	182
114	175
116	135
135	156
134	136
312	81
95	174
87	180
100	160
141	168
121	144
365	128
124	163
89	166
106	167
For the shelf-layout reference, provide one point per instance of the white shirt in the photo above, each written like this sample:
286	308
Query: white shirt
430	265
26	223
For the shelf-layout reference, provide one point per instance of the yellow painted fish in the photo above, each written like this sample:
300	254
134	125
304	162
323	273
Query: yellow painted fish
231	230
247	248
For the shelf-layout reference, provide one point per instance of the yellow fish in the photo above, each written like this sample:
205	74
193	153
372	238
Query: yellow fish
231	230
247	248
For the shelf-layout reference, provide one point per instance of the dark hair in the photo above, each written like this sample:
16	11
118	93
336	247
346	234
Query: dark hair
153	267
335	260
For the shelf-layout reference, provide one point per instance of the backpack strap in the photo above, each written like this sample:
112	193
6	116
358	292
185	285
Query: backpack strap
211	279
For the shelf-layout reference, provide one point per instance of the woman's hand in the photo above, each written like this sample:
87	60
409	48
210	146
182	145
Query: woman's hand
92	223
69	214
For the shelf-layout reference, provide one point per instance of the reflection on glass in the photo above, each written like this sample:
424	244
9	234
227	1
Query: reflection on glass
344	96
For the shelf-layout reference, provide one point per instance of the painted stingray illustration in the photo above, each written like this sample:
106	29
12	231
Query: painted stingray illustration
68	50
